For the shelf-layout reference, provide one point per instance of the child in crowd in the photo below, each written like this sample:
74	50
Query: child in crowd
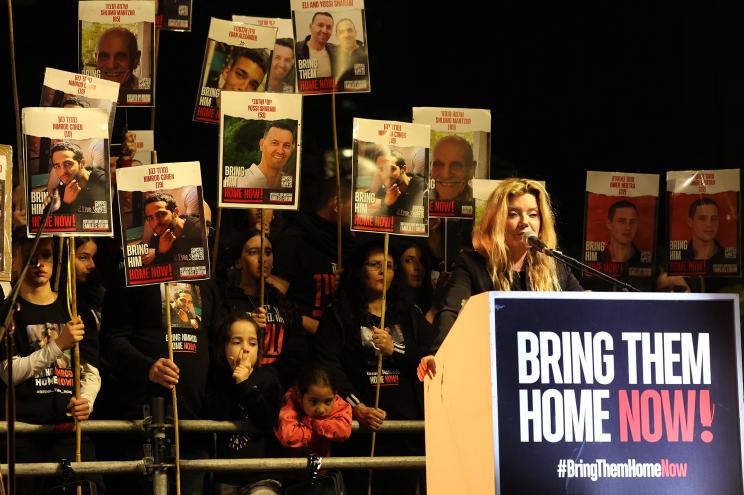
285	346
44	365
313	415
243	390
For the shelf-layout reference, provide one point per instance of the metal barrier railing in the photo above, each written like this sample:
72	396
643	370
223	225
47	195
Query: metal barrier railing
186	425
222	465
145	466
157	462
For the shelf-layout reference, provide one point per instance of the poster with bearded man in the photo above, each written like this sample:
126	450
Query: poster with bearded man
175	245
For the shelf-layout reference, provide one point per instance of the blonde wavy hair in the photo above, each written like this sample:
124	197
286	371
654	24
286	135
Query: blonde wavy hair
489	237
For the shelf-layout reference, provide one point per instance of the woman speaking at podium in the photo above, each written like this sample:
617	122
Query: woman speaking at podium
503	259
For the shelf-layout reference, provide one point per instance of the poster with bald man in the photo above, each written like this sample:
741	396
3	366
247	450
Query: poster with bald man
331	50
6	210
259	152
117	43
704	223
237	58
58	144
460	152
282	76
389	196
620	223
163	223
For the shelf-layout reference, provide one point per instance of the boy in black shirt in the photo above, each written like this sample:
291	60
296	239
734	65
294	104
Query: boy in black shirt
43	366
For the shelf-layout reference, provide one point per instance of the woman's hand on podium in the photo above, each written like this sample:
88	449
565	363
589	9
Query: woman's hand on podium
427	367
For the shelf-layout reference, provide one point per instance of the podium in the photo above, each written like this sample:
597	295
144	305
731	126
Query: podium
588	393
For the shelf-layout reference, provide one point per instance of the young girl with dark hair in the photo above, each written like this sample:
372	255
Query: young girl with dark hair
240	389
285	347
313	415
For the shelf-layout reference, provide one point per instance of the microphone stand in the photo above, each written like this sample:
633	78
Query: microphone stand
6	336
574	263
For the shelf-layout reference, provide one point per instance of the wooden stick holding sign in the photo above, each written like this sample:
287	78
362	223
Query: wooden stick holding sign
339	247
72	309
174	397
216	245
387	197
261	262
379	352
20	150
60	257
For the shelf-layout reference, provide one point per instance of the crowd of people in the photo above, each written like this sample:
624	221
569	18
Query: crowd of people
295	358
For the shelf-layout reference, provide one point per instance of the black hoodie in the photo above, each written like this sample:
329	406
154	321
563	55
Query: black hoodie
306	255
285	341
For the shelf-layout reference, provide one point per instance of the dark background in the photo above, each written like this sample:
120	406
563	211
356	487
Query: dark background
635	86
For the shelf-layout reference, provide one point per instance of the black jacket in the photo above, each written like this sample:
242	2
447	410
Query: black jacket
469	277
255	401
285	341
133	338
338	345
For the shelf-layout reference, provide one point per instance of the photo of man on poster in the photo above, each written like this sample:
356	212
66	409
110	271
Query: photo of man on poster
622	224
452	168
396	190
276	146
703	221
174	235
244	71
315	46
117	57
183	313
77	188
281	78
351	63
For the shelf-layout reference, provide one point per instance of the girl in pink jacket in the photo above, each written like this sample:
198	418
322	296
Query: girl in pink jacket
313	415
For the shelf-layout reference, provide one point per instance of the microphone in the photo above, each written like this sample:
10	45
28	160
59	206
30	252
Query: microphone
532	240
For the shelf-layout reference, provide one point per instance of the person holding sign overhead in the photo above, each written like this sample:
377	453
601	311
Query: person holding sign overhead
348	341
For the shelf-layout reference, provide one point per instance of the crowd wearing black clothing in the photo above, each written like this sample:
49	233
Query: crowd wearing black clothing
346	339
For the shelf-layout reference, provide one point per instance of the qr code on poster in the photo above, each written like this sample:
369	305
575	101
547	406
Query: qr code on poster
197	253
286	181
99	207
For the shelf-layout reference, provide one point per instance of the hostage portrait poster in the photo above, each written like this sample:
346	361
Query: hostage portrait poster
66	163
390	193
259	150
620	223
704	227
164	232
